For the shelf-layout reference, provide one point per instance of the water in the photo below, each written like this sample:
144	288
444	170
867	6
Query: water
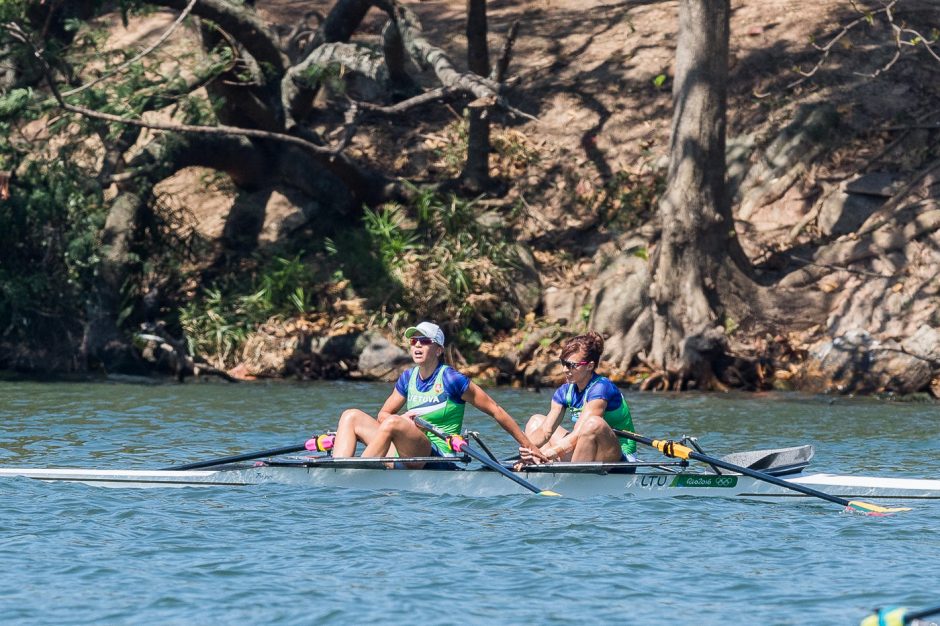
72	554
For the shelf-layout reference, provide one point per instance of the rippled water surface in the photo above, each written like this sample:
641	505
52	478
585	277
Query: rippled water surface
73	554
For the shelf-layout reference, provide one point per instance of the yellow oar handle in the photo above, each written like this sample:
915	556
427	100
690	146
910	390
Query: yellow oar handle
673	449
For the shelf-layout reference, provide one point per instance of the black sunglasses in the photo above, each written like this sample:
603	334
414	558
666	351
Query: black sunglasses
574	364
424	341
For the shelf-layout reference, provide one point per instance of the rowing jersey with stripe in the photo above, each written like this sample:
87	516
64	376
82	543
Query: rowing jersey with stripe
617	413
445	386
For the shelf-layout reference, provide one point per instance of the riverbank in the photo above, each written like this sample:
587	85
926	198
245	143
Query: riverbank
835	178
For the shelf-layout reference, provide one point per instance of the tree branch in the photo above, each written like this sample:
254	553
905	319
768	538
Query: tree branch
138	57
502	64
180	128
868	16
425	54
243	24
406	105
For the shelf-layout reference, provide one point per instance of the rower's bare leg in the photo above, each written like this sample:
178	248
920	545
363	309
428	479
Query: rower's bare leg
535	422
595	441
354	426
533	426
407	438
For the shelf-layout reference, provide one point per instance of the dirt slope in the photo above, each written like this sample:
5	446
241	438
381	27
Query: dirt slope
598	78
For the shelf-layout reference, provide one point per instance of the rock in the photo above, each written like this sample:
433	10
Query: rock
564	304
276	351
265	354
785	159
857	363
619	294
880	184
842	213
241	372
925	343
379	358
281	218
899	372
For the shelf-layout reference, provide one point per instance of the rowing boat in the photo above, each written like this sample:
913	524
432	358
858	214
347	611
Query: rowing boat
579	480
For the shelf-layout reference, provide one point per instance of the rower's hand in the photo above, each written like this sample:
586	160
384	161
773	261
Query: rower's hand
538	457
529	456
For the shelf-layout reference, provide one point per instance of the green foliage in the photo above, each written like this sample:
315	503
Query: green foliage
47	249
13	10
330	75
585	314
14	102
220	319
444	263
470	337
730	325
384	225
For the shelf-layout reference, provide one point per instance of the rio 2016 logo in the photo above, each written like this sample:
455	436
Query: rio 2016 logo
705	481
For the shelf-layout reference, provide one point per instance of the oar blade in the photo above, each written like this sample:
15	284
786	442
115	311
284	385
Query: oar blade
873	509
548	492
673	449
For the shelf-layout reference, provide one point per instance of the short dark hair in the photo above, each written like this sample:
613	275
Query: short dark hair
592	344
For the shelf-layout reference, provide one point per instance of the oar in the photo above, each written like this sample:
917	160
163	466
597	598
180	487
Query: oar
458	444
912	615
309	445
676	450
898	616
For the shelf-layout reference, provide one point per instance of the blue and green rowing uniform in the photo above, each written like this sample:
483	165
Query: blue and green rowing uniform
617	414
446	387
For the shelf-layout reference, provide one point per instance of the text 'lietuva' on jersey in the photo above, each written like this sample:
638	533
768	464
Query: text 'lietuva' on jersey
444	387
617	413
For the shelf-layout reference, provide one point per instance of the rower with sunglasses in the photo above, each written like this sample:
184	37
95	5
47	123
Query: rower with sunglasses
431	389
597	407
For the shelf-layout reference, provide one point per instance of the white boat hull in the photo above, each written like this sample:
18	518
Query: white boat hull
478	482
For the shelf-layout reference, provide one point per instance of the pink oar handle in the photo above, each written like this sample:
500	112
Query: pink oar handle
456	443
321	443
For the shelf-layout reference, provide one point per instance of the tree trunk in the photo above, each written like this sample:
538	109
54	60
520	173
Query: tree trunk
7	69
103	344
698	249
476	170
340	24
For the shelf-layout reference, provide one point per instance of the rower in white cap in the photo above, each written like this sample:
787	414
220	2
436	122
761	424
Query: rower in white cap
431	389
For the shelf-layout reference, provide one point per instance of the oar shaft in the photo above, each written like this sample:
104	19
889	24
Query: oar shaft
238	457
670	448
499	468
488	462
909	617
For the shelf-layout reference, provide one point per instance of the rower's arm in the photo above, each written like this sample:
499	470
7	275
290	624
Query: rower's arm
569	441
391	407
541	435
593	408
482	400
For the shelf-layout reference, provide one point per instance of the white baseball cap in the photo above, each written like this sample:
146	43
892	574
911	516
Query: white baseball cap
427	329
